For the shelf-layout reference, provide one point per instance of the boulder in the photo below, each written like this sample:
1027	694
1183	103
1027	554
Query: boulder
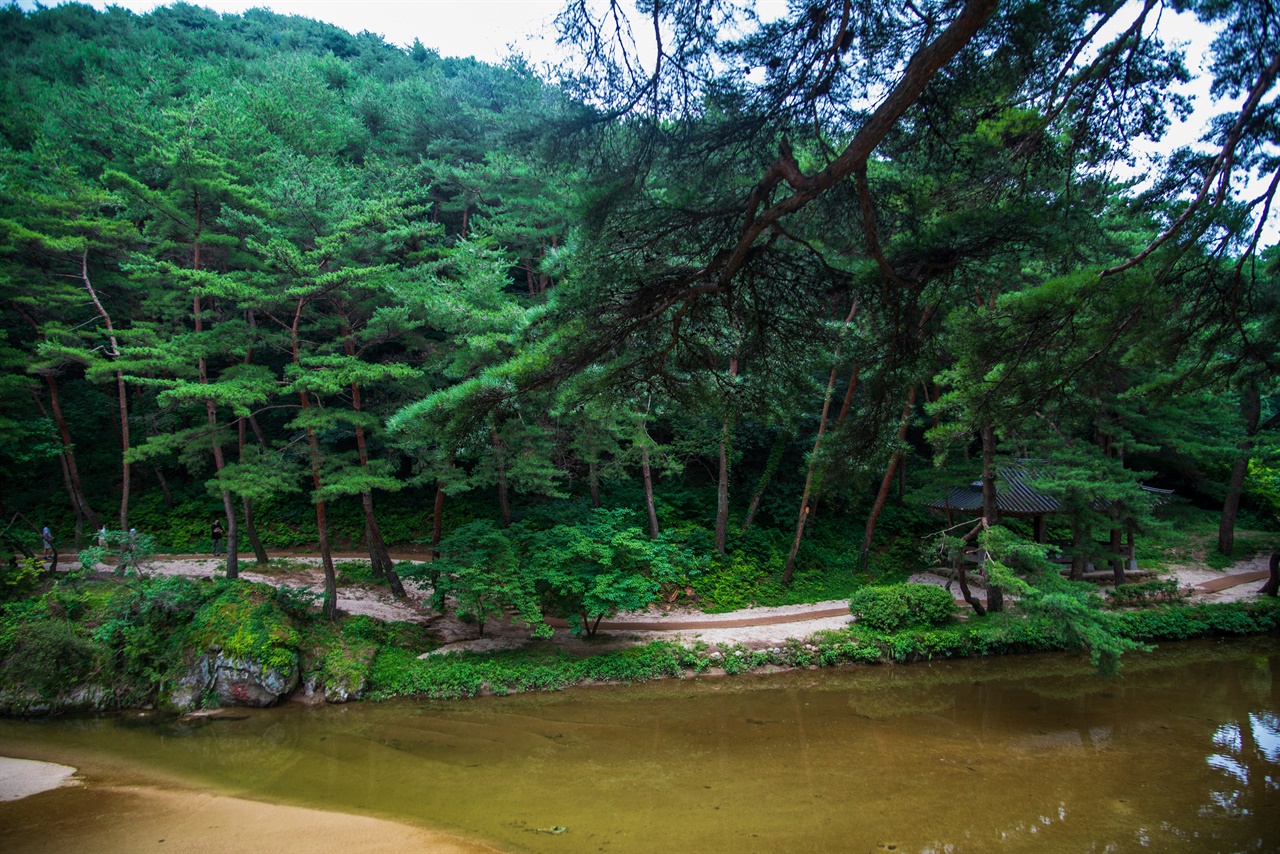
233	681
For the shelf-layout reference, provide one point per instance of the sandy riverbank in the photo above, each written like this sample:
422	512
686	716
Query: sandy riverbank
117	817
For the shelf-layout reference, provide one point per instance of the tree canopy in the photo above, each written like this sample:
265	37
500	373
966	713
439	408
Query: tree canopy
705	277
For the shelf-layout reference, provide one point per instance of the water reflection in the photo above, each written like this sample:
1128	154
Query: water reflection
1249	753
962	756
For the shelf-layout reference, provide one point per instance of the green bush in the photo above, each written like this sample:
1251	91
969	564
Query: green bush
49	657
894	606
398	672
19	576
244	621
1162	590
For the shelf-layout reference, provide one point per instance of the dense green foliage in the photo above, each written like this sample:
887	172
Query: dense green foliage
126	641
897	606
708	331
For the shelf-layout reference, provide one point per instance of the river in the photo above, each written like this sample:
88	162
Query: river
1180	754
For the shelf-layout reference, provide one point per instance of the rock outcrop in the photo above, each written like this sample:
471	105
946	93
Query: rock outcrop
231	682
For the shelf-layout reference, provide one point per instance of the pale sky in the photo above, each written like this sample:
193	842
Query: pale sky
479	28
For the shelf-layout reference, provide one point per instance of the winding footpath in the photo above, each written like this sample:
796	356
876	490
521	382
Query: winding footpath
685	621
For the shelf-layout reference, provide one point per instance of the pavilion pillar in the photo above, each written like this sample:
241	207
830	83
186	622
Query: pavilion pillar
1042	529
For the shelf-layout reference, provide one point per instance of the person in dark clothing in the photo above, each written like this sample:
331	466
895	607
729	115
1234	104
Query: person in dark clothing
217	538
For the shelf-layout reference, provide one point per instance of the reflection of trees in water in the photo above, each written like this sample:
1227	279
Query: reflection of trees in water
1247	751
1248	756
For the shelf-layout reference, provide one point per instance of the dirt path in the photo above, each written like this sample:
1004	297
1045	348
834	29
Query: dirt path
754	627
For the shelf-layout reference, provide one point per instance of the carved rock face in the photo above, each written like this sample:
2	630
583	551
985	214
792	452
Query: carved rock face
235	682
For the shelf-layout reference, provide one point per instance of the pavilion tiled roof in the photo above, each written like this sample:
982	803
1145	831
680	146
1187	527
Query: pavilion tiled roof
1015	494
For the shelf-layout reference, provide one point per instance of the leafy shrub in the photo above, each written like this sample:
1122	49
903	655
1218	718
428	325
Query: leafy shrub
48	657
892	607
19	576
397	672
245	622
296	601
1162	590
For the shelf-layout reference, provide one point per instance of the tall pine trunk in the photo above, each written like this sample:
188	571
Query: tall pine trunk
330	606
1078	558
722	483
770	468
887	481
219	461
803	517
789	569
75	508
379	557
593	482
990	509
123	396
647	472
250	529
379	548
75	488
437	519
1251	410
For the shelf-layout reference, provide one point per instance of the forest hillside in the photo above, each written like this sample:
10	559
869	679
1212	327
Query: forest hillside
716	331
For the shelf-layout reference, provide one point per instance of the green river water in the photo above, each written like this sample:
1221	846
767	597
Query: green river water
1010	754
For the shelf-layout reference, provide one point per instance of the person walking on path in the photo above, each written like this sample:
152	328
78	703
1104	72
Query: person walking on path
216	534
46	536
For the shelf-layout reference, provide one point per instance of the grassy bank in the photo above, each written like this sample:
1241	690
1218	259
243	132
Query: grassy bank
97	643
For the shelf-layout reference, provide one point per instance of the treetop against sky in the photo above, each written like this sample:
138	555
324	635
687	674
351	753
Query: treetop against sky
492	30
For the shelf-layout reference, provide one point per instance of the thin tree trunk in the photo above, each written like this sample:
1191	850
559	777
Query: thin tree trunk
647	473
219	462
593	482
375	565
802	518
770	468
120	390
124	452
379	548
381	559
722	484
330	607
887	481
1117	562
1251	409
990	508
437	520
722	490
1078	559
68	453
840	419
250	529
75	508
257	432
962	577
848	395
1272	587
164	486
